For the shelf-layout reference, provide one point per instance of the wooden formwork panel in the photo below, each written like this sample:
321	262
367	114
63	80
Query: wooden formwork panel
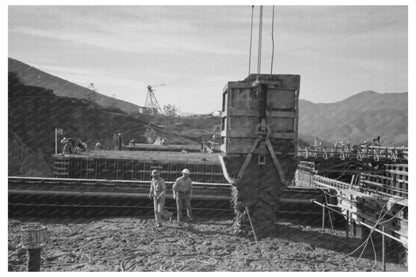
113	169
242	105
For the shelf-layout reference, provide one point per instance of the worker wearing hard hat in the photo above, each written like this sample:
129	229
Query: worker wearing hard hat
182	193
158	193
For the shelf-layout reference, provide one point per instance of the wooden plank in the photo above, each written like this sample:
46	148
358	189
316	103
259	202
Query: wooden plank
281	81
17	179
403	173
276	135
238	85
113	194
281	99
142	146
384	186
146	156
297	113
255	113
276	162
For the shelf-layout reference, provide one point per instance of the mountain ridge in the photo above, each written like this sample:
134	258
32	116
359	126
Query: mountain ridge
357	118
33	76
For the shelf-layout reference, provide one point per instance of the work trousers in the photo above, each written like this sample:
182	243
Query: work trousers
183	200
159	208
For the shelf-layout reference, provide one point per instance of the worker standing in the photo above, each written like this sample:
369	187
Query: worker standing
158	193
182	193
67	146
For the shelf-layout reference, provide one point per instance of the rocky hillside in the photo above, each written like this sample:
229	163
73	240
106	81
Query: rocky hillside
32	76
35	112
358	118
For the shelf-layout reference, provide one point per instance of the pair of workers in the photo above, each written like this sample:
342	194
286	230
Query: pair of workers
182	193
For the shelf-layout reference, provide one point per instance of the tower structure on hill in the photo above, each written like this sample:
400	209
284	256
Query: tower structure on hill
151	101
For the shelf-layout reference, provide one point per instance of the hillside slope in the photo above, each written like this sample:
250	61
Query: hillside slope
35	112
32	76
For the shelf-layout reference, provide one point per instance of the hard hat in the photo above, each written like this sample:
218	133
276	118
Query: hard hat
155	172
186	171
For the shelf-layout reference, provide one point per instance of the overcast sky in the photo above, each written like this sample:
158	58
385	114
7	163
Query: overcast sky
338	50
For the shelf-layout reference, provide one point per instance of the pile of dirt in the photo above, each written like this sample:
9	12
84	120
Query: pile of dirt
133	244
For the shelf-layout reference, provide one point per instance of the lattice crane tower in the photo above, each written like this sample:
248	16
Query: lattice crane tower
151	101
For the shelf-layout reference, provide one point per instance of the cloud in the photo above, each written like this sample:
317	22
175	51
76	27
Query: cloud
140	34
131	45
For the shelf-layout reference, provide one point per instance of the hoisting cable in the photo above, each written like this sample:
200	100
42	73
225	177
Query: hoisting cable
251	39
271	67
260	34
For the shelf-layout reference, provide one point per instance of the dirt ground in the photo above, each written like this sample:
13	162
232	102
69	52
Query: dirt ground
134	244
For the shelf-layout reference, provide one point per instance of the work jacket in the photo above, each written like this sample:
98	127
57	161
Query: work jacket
158	187
183	185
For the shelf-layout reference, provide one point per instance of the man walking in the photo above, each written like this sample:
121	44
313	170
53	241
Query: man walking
158	192
182	193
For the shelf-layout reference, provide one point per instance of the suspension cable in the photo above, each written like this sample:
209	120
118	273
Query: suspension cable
271	66
251	39
260	38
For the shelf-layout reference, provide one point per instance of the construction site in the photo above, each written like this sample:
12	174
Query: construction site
261	202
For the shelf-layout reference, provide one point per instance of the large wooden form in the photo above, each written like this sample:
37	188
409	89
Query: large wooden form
259	132
246	102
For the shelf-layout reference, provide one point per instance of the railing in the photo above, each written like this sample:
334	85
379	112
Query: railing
323	182
368	184
362	152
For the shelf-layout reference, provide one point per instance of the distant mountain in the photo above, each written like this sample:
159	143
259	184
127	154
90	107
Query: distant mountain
358	118
32	76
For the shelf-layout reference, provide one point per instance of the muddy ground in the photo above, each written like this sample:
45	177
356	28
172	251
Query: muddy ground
134	244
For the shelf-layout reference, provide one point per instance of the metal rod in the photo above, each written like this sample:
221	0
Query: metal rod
251	39
254	232
330	220
383	249
347	225
364	224
271	66
260	40
323	217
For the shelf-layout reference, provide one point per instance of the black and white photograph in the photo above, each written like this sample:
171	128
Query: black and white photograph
214	137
